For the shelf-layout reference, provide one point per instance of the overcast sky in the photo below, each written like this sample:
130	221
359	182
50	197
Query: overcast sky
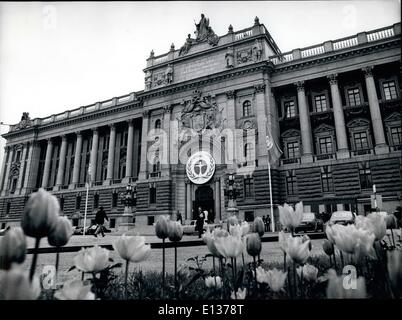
62	55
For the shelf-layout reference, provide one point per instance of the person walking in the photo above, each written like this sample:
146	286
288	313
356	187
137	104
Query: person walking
199	224
179	217
100	220
268	223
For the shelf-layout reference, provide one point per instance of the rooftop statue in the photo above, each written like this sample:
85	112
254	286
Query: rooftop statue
205	32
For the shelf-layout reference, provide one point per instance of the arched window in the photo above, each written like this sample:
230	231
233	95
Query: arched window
158	124
246	108
156	166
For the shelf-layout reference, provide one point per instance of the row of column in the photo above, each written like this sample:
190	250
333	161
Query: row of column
93	157
340	127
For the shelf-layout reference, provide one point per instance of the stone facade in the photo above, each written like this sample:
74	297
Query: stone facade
333	109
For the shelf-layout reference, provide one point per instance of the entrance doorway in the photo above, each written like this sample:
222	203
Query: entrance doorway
204	198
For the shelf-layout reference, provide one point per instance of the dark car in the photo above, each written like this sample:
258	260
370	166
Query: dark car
342	217
310	223
89	230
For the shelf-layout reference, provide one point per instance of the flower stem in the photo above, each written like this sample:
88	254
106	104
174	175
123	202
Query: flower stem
34	259
234	278
175	268
393	239
255	273
213	267
163	268
294	278
284	262
301	283
125	280
57	264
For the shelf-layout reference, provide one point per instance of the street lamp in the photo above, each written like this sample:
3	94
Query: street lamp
232	191
129	199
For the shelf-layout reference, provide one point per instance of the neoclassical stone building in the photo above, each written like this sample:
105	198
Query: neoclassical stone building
334	109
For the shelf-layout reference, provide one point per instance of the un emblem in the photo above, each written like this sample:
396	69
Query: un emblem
200	167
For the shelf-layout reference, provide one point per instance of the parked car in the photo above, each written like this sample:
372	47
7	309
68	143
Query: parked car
310	223
89	230
189	226
342	217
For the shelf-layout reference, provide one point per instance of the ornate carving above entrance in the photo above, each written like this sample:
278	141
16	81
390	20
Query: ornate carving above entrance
200	167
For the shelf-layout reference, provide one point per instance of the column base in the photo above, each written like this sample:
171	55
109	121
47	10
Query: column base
307	158
107	182
56	188
72	186
232	212
381	149
343	154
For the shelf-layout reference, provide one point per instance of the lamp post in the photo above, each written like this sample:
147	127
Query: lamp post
232	191
86	197
129	199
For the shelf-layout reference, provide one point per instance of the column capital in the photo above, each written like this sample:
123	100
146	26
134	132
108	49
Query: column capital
299	85
78	133
130	122
167	109
231	94
112	126
333	79
145	113
368	71
95	129
63	137
259	87
49	141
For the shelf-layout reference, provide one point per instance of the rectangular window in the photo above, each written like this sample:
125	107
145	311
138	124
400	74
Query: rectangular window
248	187
290	109
320	103
326	179
61	203
354	97
325	145
96	200
78	202
293	150
365	175
8	208
291	183
151	220
361	141
115	197
152	194
75	222
389	90
112	223
396	136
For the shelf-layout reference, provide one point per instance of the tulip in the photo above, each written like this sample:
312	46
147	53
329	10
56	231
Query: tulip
132	248
253	244
239	295
16	285
183	272
282	239
13	248
336	288
390	221
259	226
61	233
93	260
394	266
74	290
40	214
229	247
213	282
162	227
379	224
290	218
298	250
328	247
209	238
232	221
306	238
175	231
330	231
274	278
308	272
245	228
235	230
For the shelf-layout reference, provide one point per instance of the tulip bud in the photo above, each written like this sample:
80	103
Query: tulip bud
161	227
13	248
61	234
175	231
253	244
15	285
259	226
328	247
40	214
306	238
390	220
232	221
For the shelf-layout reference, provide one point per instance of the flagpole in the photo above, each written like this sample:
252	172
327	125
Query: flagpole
270	195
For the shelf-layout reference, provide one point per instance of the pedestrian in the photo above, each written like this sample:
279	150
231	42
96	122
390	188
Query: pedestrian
199	224
100	220
179	217
268	223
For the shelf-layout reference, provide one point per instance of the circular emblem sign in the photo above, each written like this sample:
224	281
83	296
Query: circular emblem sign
200	167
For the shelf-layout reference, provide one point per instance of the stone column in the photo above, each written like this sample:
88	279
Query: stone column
259	92
31	168
48	160
217	200
340	127
7	173
110	155
77	160
62	163
144	139
381	146
129	157
230	145
189	202
22	166
165	161
305	126
3	168
94	154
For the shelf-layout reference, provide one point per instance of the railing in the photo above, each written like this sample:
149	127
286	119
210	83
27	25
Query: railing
154	174
49	188
64	187
80	185
380	34
98	183
362	152
345	43
397	148
327	156
161	59
116	181
290	161
313	51
243	34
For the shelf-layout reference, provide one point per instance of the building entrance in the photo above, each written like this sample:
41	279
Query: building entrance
204	198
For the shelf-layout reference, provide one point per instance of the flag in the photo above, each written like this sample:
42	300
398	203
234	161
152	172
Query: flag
274	150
